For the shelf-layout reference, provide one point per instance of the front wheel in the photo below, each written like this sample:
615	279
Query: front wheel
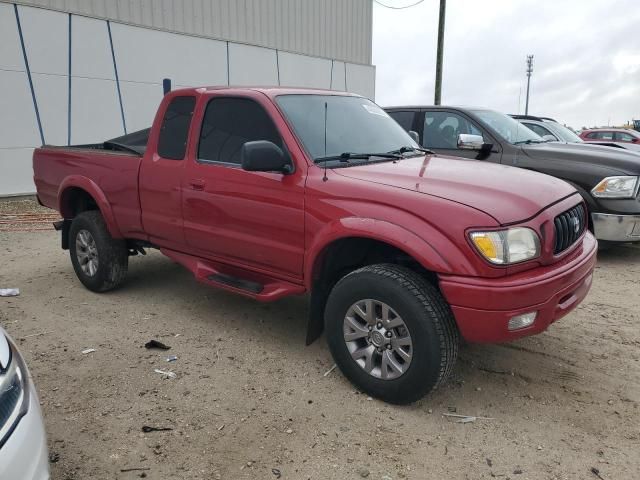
99	260
391	333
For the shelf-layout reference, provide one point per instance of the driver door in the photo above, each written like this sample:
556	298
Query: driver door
440	130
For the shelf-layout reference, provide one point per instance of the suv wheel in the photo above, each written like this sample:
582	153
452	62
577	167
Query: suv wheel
100	261
391	332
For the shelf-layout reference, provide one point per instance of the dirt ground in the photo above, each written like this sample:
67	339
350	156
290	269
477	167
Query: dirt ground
250	400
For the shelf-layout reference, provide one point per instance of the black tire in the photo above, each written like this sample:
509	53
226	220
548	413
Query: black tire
426	315
112	254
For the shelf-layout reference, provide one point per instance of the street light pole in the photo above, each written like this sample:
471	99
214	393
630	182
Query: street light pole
438	92
529	72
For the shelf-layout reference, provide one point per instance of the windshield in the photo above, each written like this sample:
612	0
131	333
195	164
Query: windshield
563	133
509	129
354	125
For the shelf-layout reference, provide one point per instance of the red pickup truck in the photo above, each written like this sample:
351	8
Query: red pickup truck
273	192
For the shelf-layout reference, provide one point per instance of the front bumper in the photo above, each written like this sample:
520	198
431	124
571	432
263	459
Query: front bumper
483	307
616	228
24	456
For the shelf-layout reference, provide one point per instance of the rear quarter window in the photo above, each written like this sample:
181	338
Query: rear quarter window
174	132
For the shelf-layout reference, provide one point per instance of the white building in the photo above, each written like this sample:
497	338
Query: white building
79	71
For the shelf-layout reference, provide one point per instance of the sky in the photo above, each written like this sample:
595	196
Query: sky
586	57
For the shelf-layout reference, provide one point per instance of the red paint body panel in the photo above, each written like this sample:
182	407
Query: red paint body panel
273	229
483	307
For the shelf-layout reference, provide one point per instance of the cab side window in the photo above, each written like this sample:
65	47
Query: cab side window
174	131
538	129
602	135
441	129
623	137
404	119
228	124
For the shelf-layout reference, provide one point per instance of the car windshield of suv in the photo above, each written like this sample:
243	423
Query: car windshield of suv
354	126
509	129
563	133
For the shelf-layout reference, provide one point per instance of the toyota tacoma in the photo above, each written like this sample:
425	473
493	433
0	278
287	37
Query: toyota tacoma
270	192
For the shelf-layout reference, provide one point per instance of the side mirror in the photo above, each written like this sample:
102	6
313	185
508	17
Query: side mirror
414	136
549	138
264	156
470	142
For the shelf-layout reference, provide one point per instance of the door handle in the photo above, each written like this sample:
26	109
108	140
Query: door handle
196	184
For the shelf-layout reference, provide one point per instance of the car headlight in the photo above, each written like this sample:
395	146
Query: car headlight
617	187
14	394
504	247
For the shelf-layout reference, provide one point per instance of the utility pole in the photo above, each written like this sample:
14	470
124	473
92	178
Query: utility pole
438	92
529	72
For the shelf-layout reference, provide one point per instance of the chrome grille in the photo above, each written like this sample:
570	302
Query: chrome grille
569	226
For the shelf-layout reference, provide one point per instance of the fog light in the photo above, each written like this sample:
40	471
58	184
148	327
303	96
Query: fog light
522	321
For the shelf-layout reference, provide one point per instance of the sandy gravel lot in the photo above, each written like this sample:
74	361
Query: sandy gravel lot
250	400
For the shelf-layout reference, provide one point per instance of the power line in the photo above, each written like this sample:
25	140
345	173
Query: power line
398	8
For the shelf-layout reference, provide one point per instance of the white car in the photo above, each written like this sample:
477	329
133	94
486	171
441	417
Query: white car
23	442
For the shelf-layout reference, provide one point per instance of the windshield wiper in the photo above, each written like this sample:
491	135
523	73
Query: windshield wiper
412	149
346	156
528	142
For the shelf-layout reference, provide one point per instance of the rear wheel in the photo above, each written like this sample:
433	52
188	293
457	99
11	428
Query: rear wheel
99	260
391	332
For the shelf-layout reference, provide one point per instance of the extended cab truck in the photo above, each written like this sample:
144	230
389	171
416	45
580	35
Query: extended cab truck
275	192
608	179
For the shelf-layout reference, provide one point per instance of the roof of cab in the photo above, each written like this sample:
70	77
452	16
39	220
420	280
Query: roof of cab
268	91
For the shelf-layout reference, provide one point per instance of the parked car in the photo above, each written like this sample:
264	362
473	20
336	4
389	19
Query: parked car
607	178
274	192
548	129
610	135
23	443
631	147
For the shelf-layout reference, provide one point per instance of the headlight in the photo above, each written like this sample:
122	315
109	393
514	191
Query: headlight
616	187
504	247
14	395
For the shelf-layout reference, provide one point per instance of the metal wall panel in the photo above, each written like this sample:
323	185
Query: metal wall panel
304	71
339	29
48	59
17	178
88	102
249	65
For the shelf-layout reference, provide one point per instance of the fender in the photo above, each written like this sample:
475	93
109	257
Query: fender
92	188
420	248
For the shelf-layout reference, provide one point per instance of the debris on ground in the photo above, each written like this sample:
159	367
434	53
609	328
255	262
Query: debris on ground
276	472
596	472
54	457
148	429
330	370
134	469
88	350
166	373
36	334
466	418
156	344
9	292
172	358
363	472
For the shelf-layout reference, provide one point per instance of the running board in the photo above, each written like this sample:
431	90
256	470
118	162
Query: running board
245	282
235	282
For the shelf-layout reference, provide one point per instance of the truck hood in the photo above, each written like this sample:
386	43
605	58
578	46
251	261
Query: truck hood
619	160
508	194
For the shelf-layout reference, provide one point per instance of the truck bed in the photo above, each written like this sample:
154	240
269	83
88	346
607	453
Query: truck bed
111	166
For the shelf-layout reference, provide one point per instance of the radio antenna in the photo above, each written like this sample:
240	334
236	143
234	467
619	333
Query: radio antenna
324	179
